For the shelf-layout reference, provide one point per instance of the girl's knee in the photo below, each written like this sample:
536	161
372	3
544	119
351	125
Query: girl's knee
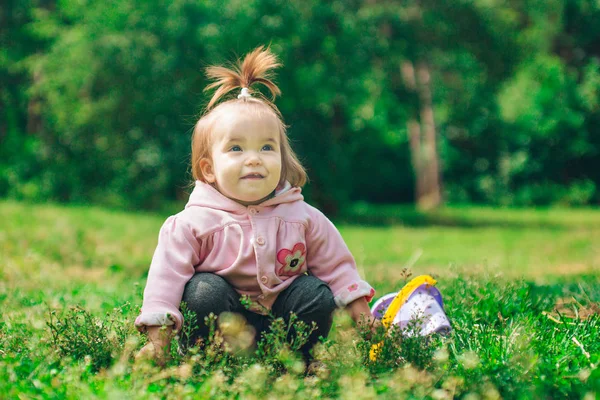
207	292
313	287
309	294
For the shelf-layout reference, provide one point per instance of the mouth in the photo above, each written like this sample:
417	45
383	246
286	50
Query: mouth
253	176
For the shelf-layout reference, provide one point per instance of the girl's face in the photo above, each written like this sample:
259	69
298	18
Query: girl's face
246	158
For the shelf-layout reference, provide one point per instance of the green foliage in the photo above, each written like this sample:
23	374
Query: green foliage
190	324
508	351
279	344
80	335
399	347
511	336
98	98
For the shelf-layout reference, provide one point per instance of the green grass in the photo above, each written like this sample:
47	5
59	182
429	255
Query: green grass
71	280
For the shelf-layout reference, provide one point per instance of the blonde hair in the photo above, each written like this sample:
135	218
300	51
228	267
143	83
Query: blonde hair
256	67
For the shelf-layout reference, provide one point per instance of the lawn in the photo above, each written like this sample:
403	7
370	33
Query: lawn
521	287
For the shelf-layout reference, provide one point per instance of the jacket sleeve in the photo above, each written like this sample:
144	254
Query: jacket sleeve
329	259
176	254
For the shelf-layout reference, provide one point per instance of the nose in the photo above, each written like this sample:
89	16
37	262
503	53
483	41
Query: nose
253	159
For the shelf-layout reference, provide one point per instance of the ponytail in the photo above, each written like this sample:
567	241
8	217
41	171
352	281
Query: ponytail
256	67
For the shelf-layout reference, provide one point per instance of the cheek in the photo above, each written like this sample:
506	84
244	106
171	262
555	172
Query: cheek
228	165
279	166
276	161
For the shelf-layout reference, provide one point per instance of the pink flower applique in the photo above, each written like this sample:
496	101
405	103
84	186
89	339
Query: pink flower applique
353	287
292	260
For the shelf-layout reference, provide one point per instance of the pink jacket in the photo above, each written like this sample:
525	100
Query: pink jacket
259	250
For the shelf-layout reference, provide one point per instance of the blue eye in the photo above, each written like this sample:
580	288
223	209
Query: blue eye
267	147
235	148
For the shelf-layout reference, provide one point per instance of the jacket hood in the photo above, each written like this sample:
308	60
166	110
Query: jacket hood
205	195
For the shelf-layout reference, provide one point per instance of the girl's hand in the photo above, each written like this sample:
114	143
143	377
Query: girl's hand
360	312
148	352
158	346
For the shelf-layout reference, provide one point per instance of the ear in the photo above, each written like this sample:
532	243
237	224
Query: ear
207	170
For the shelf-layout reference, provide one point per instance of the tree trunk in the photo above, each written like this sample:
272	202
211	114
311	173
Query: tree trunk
423	138
432	196
34	109
414	136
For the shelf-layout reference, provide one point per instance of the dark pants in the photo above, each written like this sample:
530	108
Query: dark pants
307	297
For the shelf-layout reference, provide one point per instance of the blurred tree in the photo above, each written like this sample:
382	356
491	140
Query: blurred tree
120	85
414	41
505	105
19	111
551	106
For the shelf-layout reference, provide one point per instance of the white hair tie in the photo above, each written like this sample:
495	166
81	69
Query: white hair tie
245	93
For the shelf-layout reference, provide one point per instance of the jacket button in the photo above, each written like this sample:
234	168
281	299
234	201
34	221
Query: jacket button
264	279
260	240
252	211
